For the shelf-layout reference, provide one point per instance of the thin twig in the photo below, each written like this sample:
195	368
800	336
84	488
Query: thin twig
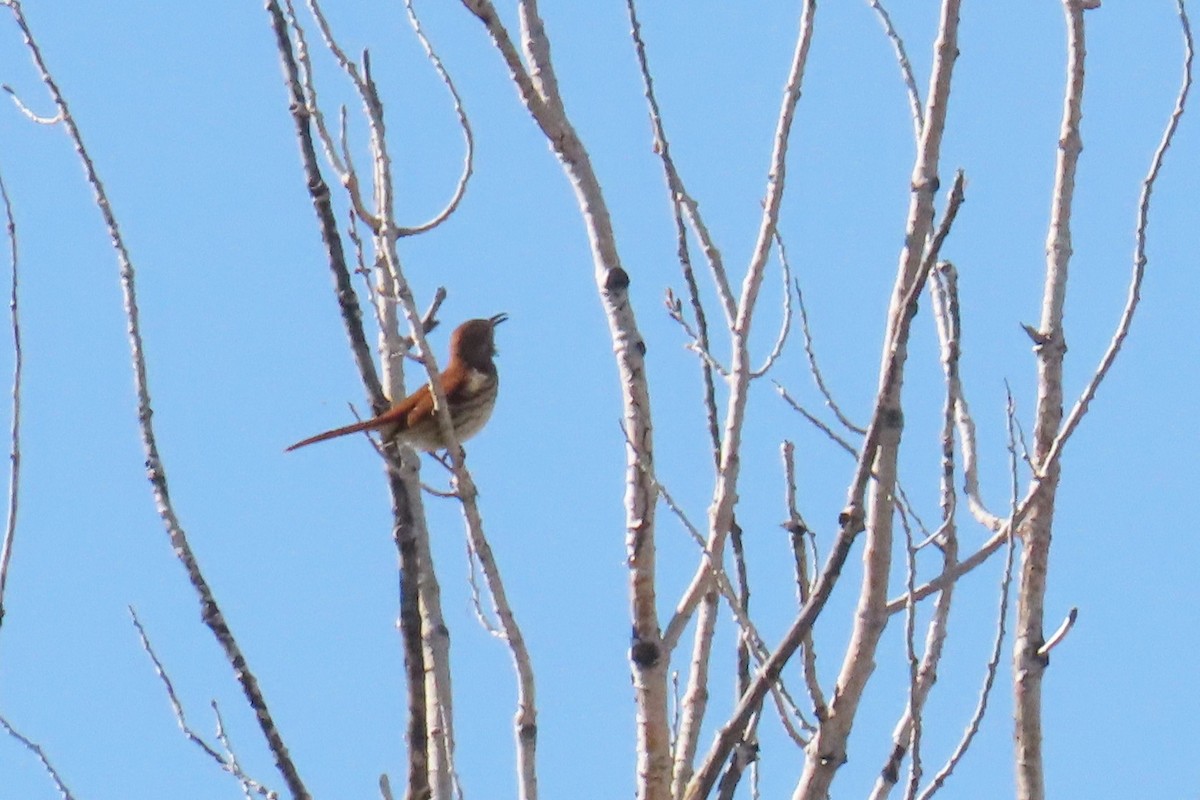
953	204
485	620
1001	626
308	81
228	763
360	259
798	531
675	710
815	369
816	422
915	717
910	508
906	71
25	741
20	104
14	475
709	359
712	254
172	697
681	201
525	722
737	544
785	325
248	786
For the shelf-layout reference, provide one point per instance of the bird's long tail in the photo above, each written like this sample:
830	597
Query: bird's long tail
382	421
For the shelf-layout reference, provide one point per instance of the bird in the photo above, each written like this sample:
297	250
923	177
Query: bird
470	383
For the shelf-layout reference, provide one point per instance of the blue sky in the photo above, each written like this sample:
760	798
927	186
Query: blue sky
185	114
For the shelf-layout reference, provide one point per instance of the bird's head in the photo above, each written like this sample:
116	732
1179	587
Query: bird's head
474	342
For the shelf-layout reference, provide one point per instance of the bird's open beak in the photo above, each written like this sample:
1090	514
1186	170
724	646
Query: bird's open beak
496	320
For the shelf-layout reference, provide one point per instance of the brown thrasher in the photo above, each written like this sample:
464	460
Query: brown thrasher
469	381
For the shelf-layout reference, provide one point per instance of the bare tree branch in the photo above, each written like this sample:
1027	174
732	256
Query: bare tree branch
828	751
249	787
25	741
785	324
538	88
1028	667
460	189
210	612
947	315
815	370
915	694
993	664
24	109
798	531
14	453
1057	637
228	763
525	723
725	493
906	735
343	165
681	203
906	72
1139	251
323	206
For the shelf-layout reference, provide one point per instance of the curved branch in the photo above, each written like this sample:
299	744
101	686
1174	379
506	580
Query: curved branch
460	190
785	325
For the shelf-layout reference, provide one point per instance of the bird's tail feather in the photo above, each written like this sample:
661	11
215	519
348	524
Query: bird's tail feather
382	421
